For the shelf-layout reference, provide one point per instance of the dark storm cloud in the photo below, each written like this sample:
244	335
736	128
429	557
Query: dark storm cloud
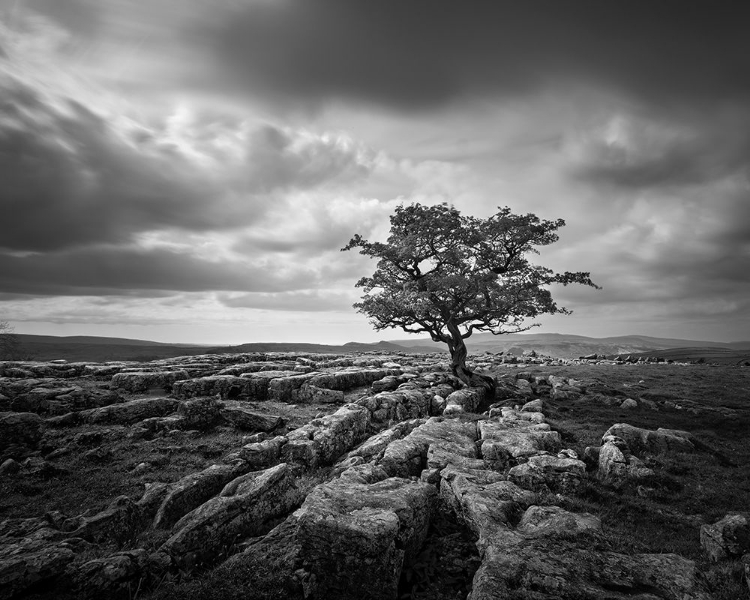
111	270
70	178
706	154
424	53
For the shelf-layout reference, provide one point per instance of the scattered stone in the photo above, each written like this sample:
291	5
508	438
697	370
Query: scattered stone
387	384
401	405
31	561
408	456
118	522
113	576
727	538
652	442
505	442
260	455
9	467
312	394
130	412
98	455
466	400
552	520
143	381
20	434
617	466
245	419
533	406
199	413
193	490
563	475
513	569
204	533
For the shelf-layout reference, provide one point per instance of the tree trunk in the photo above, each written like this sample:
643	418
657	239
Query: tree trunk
458	367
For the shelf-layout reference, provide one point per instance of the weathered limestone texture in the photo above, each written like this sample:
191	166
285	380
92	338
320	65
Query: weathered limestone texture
355	538
212	527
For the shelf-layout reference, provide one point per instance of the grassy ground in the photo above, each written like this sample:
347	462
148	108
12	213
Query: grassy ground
689	489
103	462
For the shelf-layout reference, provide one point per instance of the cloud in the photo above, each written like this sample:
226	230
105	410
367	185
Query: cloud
641	152
72	178
304	301
423	54
115	270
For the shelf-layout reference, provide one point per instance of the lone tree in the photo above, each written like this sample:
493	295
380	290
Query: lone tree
449	275
9	342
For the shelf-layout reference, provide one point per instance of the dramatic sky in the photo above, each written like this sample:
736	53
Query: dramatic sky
184	170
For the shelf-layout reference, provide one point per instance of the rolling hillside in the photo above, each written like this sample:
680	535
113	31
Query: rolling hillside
102	349
573	346
92	348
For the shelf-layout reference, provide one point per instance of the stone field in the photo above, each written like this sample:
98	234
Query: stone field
294	475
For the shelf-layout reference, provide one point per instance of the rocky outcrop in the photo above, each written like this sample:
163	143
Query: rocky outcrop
312	394
213	527
386	384
129	412
374	446
117	575
484	500
59	370
241	417
260	455
117	523
540	521
324	440
546	472
351	378
224	386
51	398
286	389
356	538
193	490
408	456
142	381
727	538
199	413
506	441
256	366
401	405
617	466
652	442
400	453
559	570
20	434
465	400
32	560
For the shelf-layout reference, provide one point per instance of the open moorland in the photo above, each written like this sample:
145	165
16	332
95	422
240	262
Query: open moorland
371	475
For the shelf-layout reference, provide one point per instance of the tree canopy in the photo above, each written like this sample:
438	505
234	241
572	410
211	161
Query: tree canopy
449	275
9	343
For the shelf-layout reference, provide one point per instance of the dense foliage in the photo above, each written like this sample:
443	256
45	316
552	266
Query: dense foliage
449	275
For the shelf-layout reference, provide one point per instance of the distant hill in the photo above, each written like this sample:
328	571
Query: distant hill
573	346
99	349
92	340
102	349
722	356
